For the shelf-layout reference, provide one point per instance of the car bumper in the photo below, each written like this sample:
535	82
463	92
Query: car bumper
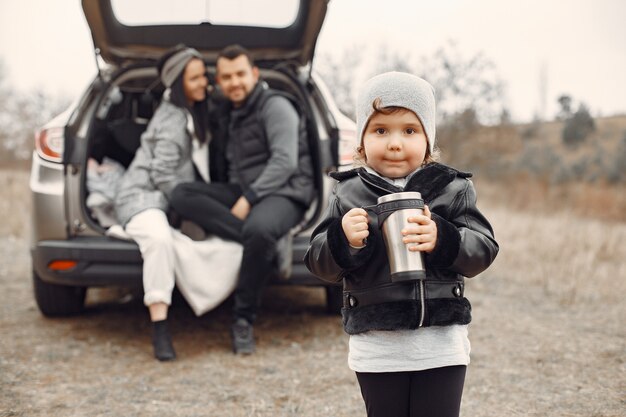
103	261
100	261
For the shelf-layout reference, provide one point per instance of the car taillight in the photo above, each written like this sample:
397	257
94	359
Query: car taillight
50	143
62	265
347	146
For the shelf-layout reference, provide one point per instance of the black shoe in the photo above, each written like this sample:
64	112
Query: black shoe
243	337
192	230
162	341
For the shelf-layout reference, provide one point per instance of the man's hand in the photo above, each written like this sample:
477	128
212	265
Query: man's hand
354	224
241	208
421	233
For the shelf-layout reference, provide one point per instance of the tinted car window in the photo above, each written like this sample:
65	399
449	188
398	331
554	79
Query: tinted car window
262	13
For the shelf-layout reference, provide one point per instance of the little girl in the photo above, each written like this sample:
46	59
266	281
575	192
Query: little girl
409	348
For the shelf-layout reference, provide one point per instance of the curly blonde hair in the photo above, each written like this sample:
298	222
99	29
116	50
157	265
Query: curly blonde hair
360	158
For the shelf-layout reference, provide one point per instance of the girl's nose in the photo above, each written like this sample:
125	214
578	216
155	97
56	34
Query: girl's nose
394	144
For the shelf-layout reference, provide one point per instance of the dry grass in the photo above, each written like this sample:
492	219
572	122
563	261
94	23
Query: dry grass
580	199
573	259
548	336
527	157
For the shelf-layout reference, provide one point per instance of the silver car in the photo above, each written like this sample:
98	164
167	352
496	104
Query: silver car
69	247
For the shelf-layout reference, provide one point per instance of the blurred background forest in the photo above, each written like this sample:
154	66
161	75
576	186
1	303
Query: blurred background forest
573	160
569	154
570	157
22	113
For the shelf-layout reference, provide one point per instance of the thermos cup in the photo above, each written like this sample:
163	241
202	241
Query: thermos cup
393	212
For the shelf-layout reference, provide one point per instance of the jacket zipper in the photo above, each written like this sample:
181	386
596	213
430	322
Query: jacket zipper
422	313
421	287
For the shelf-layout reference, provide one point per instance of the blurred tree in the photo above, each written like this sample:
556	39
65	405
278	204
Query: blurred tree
5	94
532	129
338	72
505	117
464	83
21	114
460	83
389	60
452	137
565	112
578	126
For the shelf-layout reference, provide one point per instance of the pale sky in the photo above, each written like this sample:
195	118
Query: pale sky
581	44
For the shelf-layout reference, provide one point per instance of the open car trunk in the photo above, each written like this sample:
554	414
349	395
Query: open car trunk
122	43
124	110
132	47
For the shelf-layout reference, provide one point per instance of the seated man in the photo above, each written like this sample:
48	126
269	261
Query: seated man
270	182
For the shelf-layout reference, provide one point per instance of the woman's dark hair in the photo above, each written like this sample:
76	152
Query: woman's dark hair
199	111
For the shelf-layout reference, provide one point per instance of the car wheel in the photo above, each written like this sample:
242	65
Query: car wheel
58	300
334	299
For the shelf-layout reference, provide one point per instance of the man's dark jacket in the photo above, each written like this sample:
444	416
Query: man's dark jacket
265	164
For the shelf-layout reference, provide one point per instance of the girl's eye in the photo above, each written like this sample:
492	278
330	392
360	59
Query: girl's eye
410	131
380	131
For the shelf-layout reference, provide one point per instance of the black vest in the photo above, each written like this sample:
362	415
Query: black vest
249	150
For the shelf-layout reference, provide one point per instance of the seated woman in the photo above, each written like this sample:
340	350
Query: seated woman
175	137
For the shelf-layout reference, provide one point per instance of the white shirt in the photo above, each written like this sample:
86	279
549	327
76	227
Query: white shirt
199	151
409	350
200	157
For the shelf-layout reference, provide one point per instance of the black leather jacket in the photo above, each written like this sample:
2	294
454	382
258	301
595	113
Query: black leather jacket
465	247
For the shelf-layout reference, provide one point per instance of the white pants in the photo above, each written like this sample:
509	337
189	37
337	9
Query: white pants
205	272
152	232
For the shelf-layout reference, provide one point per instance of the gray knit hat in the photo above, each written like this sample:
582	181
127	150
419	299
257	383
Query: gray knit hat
175	65
398	89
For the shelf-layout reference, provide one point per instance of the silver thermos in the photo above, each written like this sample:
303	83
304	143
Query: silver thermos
393	212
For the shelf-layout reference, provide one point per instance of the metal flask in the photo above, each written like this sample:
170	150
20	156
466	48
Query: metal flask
393	212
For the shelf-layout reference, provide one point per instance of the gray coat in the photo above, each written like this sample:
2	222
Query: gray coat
162	161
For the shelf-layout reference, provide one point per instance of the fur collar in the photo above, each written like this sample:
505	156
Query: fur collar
429	181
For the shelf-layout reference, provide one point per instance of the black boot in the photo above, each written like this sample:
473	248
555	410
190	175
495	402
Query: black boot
242	335
162	341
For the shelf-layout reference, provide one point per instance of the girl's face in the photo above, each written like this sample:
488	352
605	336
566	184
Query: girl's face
195	81
395	144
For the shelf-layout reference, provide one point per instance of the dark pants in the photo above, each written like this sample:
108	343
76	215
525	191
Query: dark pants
430	393
208	205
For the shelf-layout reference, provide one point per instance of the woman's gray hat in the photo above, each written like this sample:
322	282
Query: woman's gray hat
398	89
175	65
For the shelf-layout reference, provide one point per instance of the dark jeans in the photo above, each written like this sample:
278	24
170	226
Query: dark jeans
208	205
430	393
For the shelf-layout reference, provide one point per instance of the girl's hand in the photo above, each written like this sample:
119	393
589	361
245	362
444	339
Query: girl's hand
354	224
421	233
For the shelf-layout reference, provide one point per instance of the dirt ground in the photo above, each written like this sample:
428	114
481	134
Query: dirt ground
541	345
